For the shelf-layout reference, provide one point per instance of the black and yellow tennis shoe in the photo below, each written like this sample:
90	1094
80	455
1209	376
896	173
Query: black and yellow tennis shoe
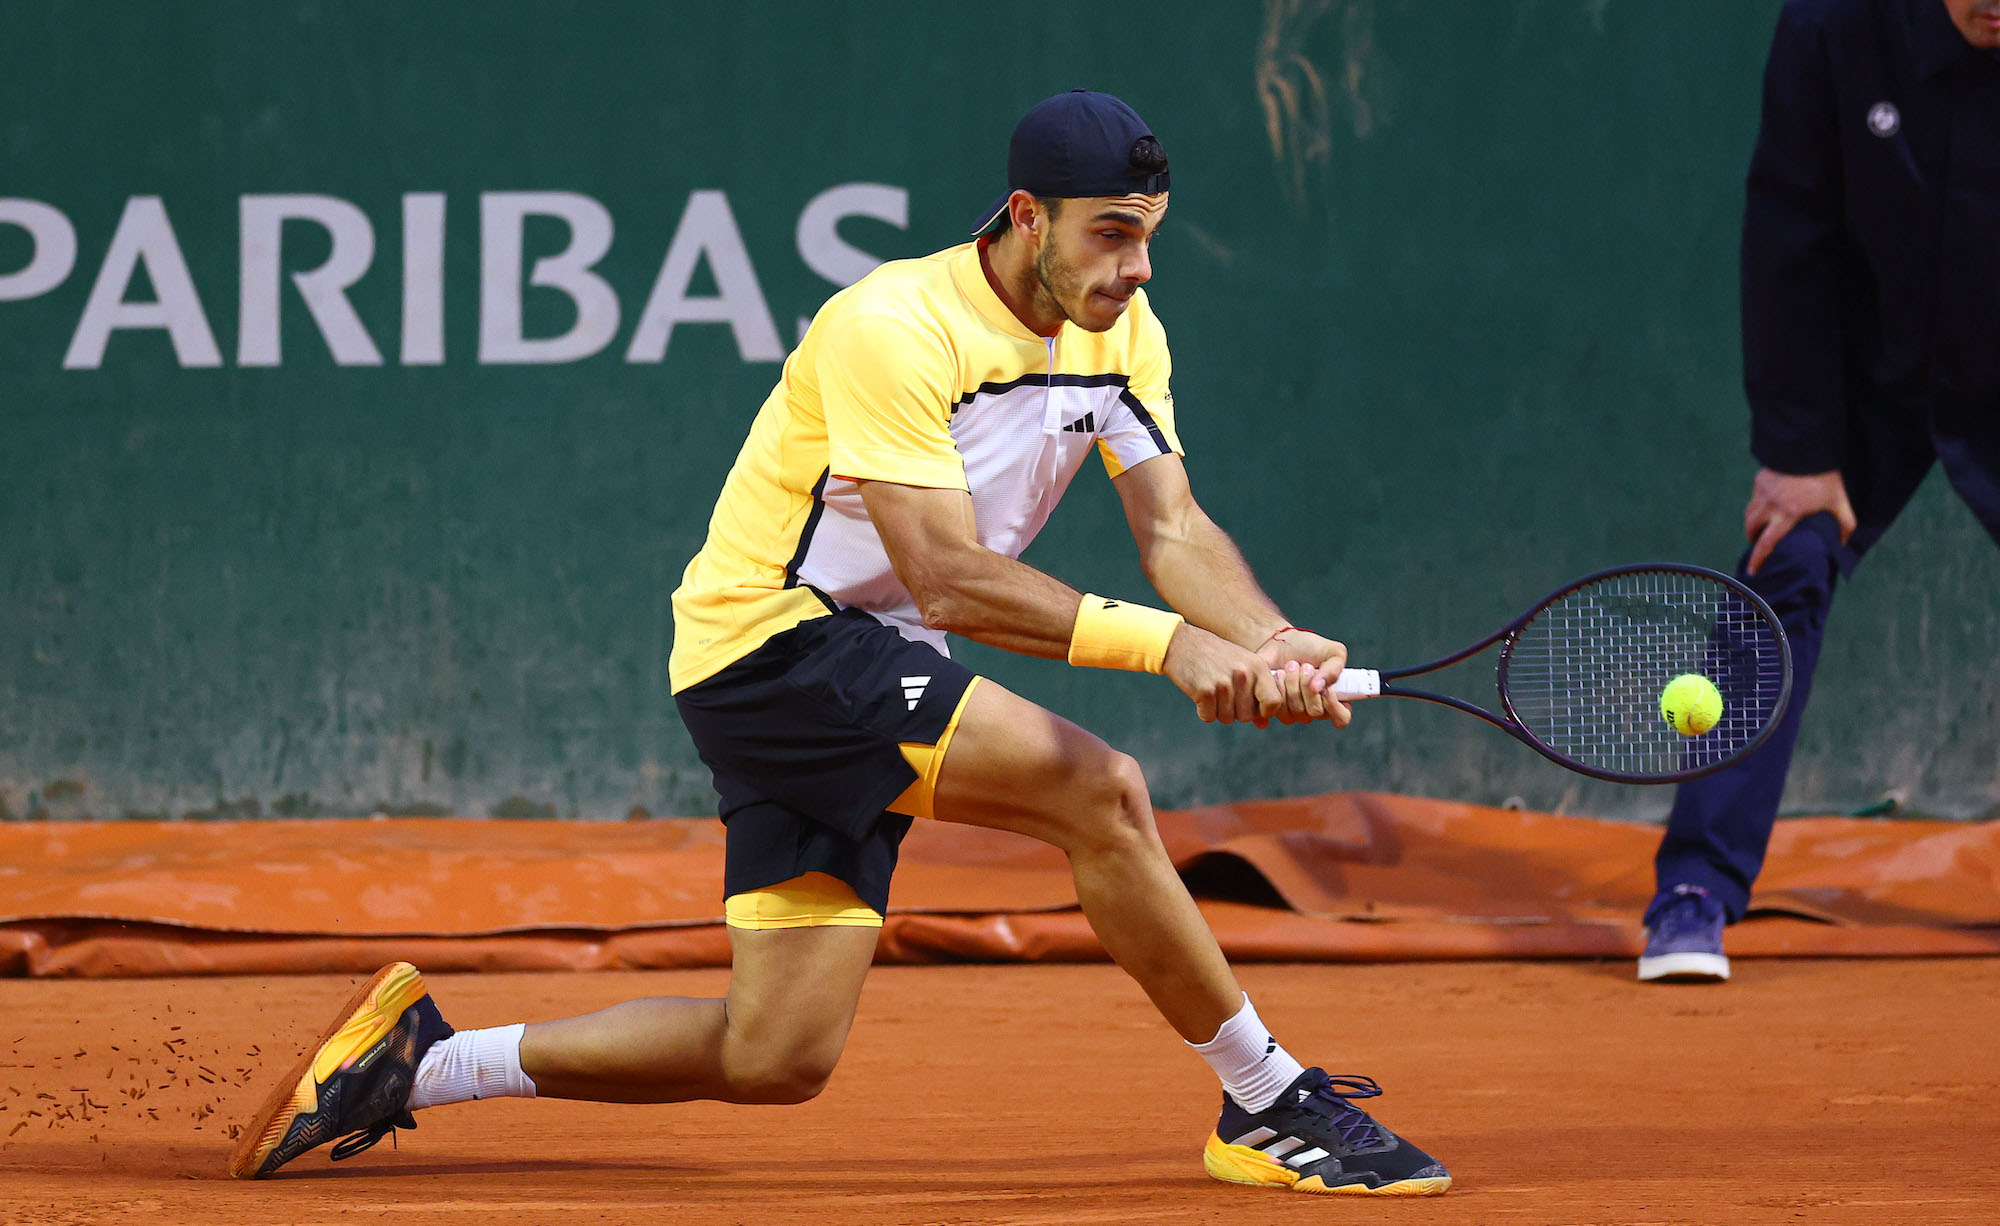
354	1084
1314	1139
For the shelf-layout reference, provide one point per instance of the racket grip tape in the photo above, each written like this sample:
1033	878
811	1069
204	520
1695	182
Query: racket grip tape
1356	683
1353	683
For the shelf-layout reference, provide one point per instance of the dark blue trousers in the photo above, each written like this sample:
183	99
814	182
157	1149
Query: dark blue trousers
1721	824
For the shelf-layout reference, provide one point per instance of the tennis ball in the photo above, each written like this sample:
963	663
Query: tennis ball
1691	704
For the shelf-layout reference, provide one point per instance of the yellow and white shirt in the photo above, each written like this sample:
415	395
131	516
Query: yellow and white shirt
920	375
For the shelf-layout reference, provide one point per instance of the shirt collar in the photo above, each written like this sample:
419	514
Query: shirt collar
1934	39
971	279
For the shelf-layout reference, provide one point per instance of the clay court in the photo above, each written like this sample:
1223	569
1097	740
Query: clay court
1560	1092
1000	1072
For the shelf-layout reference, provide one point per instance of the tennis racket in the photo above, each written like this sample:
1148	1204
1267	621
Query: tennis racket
1580	674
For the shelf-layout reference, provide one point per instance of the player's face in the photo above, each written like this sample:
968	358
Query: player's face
1978	20
1097	252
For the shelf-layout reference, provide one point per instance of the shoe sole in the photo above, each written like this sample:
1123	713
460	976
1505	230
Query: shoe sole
369	1015
1684	968
1241	1164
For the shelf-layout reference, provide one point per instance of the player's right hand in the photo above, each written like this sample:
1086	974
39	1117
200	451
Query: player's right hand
1227	683
1305	664
1309	696
1778	501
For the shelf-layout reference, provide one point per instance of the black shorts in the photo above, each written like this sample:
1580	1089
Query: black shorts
804	737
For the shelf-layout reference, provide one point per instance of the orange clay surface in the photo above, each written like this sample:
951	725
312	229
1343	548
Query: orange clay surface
1821	1091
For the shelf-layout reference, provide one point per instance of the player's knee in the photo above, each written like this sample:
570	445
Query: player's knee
1118	811
783	1074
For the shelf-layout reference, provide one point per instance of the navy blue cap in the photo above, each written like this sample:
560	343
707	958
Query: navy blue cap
1079	144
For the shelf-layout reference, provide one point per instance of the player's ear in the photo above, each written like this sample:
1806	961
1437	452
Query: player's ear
1025	212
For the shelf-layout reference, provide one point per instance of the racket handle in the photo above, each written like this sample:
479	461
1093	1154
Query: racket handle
1353	683
1356	683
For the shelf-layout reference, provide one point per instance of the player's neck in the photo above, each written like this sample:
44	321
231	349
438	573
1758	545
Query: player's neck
1011	273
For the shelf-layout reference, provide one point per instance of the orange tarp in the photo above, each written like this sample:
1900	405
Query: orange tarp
1348	876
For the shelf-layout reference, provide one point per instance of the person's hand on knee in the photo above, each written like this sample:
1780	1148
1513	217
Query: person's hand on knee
1778	501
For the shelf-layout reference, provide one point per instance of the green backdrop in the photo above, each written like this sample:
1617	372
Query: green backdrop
1451	290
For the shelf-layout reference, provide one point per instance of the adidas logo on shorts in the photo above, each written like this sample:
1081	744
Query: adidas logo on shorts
913	690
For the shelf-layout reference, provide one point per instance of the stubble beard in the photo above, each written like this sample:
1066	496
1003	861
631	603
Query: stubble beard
1055	278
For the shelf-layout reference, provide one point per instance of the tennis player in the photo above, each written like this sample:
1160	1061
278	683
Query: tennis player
919	438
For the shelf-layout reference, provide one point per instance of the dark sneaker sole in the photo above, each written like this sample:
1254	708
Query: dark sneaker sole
1241	1164
367	1018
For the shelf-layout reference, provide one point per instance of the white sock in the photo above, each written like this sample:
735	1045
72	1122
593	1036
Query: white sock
1253	1068
472	1064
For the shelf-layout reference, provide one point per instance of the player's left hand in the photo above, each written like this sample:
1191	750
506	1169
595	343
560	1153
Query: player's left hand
1305	665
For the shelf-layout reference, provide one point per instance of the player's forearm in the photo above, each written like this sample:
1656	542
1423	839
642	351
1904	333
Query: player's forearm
998	601
1201	573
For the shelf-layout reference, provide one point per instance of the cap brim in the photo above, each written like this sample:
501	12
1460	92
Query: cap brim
990	219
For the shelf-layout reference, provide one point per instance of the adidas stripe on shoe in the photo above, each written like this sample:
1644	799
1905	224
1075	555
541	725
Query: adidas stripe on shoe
1314	1139
354	1083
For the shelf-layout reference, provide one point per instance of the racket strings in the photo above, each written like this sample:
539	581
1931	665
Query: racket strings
1585	675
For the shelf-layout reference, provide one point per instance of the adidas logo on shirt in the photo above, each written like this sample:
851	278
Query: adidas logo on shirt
913	690
1087	424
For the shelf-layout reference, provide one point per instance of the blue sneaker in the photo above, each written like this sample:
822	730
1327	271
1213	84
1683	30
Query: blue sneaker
1684	939
1314	1139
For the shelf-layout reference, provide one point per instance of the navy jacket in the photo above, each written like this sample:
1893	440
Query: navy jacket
1871	236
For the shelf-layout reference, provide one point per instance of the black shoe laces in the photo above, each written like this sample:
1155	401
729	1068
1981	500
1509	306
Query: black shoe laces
1331	1097
365	1138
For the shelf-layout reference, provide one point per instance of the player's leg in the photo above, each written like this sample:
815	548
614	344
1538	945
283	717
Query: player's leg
1014	766
801	940
809	857
389	1053
774	1039
803	738
1011	765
